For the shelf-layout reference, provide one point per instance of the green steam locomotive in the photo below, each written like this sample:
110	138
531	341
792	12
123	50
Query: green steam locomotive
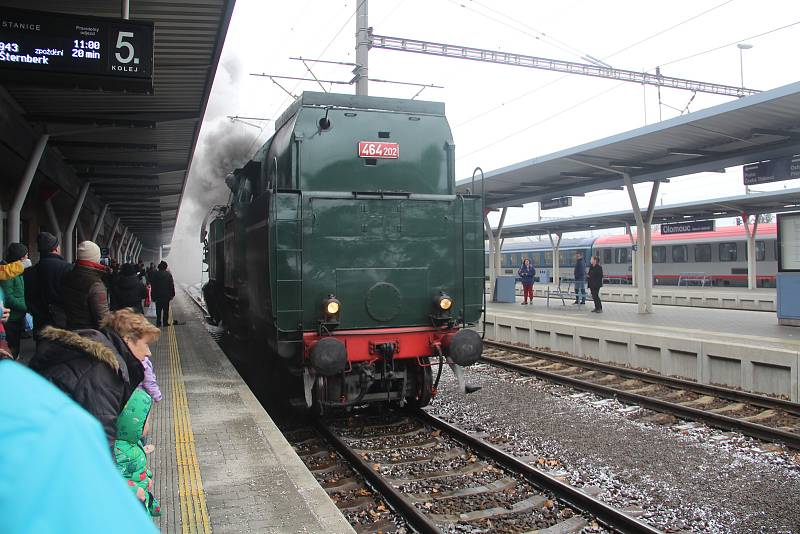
346	253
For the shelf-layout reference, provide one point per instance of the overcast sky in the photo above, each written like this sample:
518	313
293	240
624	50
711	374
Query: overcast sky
503	114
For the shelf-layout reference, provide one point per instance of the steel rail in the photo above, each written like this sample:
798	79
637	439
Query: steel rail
713	419
613	518
606	514
762	401
393	496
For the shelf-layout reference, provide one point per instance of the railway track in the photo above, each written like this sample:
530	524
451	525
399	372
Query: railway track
759	416
439	478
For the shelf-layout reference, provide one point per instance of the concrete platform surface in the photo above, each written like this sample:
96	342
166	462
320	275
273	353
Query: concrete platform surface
220	462
731	298
708	324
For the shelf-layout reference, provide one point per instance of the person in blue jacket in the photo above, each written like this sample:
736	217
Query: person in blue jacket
526	274
58	473
580	279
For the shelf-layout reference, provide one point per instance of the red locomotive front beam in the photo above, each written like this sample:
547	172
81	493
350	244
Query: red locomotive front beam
412	342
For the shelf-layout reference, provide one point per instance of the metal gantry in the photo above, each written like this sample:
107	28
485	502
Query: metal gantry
556	65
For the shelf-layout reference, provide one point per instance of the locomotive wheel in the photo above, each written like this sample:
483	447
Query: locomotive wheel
423	385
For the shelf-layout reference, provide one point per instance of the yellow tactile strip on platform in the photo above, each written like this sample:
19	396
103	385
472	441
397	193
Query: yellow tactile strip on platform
194	512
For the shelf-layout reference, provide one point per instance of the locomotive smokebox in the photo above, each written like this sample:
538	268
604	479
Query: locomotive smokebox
329	356
464	347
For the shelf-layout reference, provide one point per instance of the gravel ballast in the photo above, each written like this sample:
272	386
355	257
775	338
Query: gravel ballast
677	476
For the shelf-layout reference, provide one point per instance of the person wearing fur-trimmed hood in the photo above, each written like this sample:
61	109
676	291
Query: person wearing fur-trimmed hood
99	369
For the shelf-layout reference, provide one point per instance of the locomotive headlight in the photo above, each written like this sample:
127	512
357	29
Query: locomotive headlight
442	303
331	307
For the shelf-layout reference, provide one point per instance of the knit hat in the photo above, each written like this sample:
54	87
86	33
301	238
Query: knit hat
46	242
89	251
15	252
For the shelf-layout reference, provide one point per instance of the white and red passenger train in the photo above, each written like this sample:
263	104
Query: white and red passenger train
717	258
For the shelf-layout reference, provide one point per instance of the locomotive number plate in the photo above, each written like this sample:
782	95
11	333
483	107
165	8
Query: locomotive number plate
378	149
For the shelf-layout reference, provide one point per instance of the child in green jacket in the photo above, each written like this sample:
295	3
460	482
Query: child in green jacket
129	452
13	288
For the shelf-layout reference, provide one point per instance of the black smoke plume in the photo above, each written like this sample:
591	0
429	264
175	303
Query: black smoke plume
223	147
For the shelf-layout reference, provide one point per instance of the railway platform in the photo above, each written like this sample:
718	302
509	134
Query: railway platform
728	298
734	348
220	463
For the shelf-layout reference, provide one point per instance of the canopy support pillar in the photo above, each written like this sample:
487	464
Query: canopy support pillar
634	262
752	269
644	256
51	214
121	245
112	235
14	233
99	224
556	244
129	248
495	245
69	231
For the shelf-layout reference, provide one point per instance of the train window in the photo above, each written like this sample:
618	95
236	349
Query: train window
680	253
622	255
761	251
659	254
548	257
608	256
727	251
702	253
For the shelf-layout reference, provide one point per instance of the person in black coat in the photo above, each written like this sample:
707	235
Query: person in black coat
595	283
162	291
128	290
98	369
43	284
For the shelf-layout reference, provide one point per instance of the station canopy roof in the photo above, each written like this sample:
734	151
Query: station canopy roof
754	128
767	202
136	148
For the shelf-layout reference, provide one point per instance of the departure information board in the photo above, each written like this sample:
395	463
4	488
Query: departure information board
43	48
788	242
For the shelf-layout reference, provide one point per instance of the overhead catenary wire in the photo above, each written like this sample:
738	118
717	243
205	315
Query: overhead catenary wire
565	76
749	38
720	47
670	28
319	56
537	34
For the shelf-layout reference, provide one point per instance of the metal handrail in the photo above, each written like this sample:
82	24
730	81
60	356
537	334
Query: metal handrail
483	214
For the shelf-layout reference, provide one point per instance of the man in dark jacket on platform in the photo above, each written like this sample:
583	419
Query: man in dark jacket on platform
580	279
128	290
83	291
162	291
595	283
43	284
